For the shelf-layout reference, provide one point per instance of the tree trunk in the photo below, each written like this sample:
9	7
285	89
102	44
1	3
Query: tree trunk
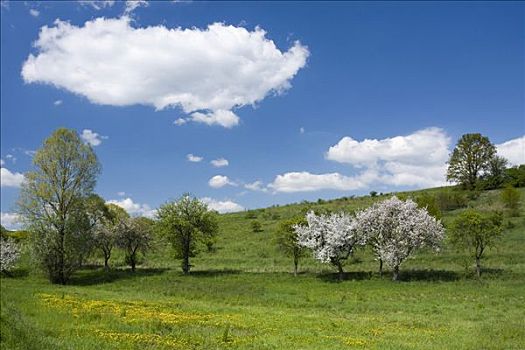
396	274
186	257
295	263
106	263
341	272
381	268
133	264
478	267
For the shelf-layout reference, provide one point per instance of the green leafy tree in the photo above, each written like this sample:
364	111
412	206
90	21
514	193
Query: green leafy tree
52	202
134	236
287	240
496	175
106	232
515	176
475	231
187	223
470	158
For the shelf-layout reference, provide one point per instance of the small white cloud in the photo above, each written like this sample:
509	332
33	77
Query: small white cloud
57	102
134	209
92	138
10	221
2	162
194	159
29	152
121	194
220	162
513	150
222	206
9	179
226	119
301	130
97	4
134	4
34	12
11	157
219	181
124	65
180	121
256	186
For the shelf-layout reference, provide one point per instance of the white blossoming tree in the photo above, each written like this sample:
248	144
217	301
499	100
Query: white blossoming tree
9	254
332	238
396	228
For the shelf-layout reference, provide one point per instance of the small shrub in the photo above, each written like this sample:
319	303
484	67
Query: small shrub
511	199
256	227
251	215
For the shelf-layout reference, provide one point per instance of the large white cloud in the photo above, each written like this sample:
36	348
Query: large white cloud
415	160
305	182
9	179
513	150
207	72
222	206
134	209
219	181
10	221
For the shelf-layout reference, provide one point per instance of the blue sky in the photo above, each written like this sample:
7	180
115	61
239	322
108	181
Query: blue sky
332	99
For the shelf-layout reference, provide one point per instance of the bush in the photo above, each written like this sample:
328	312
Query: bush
256	226
511	199
251	215
450	200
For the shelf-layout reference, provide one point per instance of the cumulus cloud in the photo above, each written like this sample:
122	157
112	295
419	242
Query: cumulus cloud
222	206
195	159
306	182
220	162
97	4
206	72
34	12
92	138
9	179
10	221
416	160
513	150
134	209
219	181
256	186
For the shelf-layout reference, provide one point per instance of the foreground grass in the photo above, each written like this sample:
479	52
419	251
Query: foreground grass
242	296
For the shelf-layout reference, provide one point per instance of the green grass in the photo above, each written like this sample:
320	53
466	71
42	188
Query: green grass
243	296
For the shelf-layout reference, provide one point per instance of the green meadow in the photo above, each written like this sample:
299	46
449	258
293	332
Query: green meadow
243	295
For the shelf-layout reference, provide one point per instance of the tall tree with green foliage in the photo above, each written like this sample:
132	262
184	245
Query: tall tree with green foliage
475	231
287	240
187	223
134	236
52	202
471	157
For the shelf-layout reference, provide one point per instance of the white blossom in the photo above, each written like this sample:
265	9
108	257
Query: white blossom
332	238
9	254
396	228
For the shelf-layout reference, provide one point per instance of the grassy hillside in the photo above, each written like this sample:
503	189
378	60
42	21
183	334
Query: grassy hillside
243	296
